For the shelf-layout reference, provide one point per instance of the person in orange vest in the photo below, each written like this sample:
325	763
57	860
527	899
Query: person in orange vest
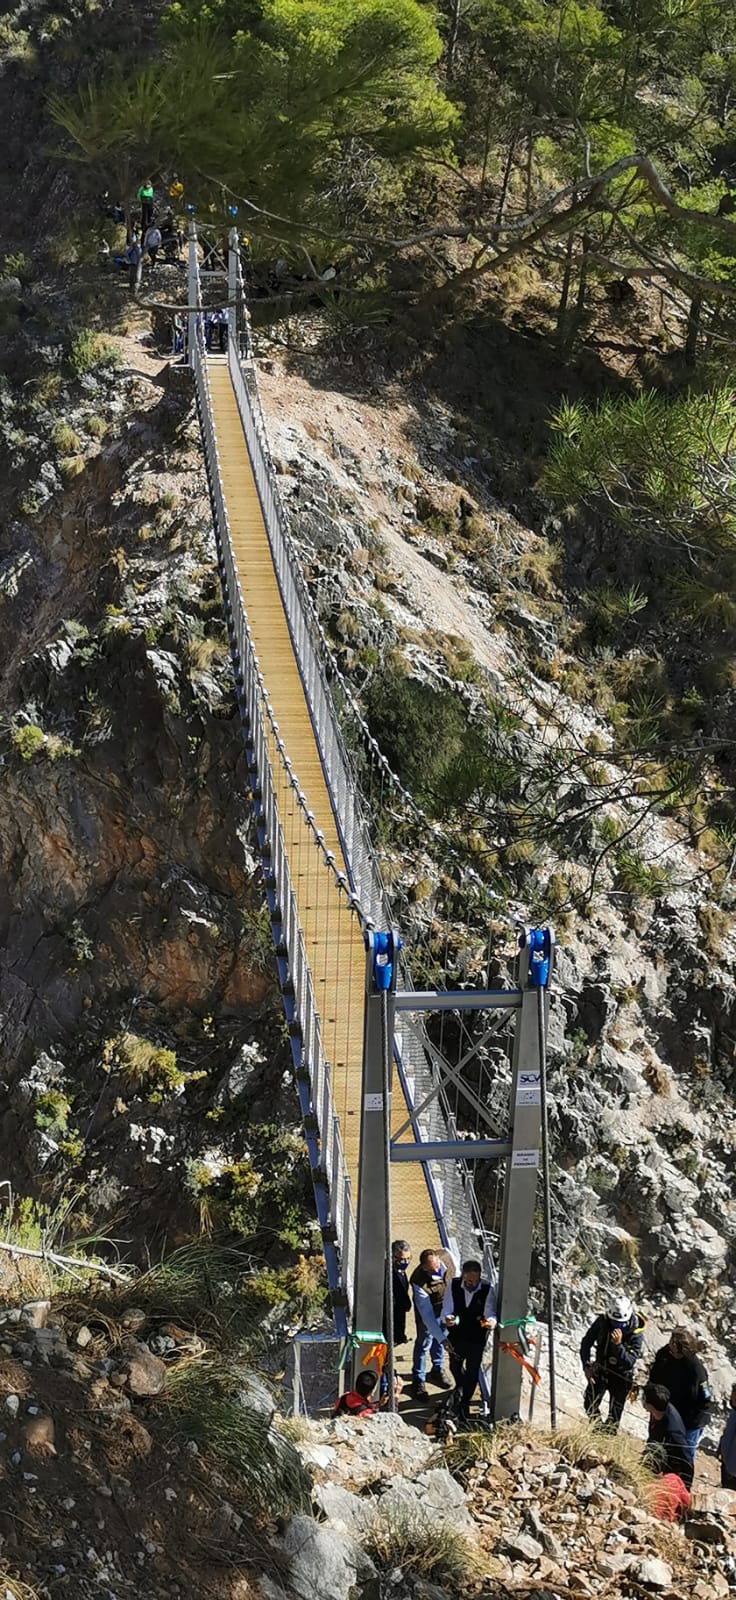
357	1402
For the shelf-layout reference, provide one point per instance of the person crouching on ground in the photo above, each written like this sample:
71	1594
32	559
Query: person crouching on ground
358	1401
667	1449
469	1313
618	1337
726	1451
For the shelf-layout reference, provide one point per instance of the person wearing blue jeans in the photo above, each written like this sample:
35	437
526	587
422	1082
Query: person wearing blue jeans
677	1367
428	1282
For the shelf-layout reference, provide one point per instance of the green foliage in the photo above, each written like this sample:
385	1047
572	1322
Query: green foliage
64	439
145	1068
662	468
634	876
16	265
428	739
82	947
210	1402
88	351
300	1290
262	1196
52	1111
258	936
315	104
27	740
407	1539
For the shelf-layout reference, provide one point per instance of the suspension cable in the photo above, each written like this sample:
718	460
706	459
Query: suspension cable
547	1204
386	1052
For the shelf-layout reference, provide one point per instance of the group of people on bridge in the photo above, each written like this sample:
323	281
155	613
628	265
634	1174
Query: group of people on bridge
454	1312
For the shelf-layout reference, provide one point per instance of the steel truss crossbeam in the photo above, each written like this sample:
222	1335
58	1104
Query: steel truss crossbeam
458	999
519	1150
452	1075
452	1150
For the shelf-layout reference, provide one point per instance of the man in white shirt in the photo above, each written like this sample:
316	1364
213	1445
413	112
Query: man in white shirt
469	1314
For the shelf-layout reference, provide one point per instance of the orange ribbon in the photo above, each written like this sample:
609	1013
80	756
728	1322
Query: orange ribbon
511	1350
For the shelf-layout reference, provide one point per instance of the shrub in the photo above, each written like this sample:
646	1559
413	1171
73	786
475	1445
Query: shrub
81	945
635	877
28	740
96	427
426	737
16	265
64	439
209	1403
71	467
52	1111
145	1067
715	925
57	749
259	937
412	1541
88	350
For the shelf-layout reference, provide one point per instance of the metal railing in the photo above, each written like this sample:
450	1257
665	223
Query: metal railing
450	1184
263	739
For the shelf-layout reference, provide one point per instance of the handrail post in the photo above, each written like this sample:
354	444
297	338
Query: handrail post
232	287
193	292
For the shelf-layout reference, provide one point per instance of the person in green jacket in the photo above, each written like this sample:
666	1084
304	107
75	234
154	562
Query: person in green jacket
145	196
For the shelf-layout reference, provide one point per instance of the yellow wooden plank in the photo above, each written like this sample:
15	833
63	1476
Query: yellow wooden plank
333	938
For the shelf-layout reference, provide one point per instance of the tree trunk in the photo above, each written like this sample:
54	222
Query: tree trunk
454	28
583	283
564	294
693	330
486	153
529	160
506	179
568	322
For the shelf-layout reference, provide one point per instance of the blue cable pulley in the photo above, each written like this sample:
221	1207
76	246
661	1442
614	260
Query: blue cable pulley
540	955
385	950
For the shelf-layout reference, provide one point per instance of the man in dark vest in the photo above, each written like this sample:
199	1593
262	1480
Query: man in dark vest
469	1313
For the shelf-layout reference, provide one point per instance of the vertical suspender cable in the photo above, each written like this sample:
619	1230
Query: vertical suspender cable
389	1291
547	1203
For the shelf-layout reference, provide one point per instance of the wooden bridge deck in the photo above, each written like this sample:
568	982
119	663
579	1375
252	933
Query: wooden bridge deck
333	939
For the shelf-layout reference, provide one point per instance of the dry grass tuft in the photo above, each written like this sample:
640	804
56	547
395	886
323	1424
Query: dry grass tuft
620	1453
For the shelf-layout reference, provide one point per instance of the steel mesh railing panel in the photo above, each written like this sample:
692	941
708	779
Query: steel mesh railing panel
450	1183
261	734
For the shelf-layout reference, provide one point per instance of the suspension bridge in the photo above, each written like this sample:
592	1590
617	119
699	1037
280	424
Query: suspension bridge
384	1146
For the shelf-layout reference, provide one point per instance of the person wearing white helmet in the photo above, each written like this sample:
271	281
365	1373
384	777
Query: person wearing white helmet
609	1352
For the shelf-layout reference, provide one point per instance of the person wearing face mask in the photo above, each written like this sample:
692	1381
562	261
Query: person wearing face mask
617	1338
400	1263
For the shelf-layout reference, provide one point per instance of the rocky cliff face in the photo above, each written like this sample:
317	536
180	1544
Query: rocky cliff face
130	900
379	482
